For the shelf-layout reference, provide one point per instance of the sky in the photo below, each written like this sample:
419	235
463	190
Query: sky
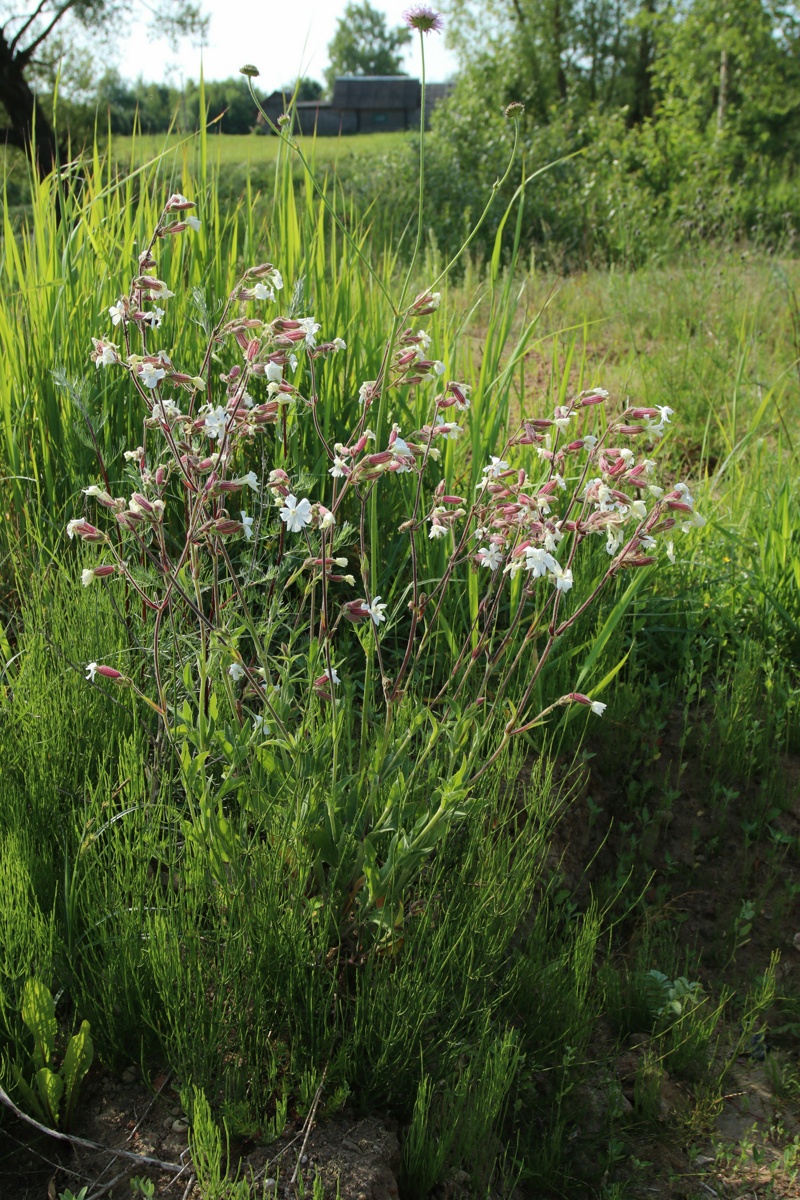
283	39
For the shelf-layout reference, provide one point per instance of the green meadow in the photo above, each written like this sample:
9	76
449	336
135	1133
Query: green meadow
549	959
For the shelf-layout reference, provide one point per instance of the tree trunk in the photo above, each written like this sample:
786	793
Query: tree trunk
558	34
28	128
722	101
642	104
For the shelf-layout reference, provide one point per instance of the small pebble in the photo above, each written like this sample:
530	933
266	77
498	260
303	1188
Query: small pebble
269	1184
179	1126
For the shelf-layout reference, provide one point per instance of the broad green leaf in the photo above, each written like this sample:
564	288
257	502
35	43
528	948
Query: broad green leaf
77	1061
39	1014
51	1089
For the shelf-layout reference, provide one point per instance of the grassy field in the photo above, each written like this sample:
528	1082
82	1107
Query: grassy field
572	973
232	150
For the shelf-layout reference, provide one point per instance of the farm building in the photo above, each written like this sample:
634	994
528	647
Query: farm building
362	104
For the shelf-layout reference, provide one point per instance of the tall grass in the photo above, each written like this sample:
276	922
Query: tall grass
483	1027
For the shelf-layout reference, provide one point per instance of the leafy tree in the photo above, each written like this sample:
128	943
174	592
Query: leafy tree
34	39
364	45
308	89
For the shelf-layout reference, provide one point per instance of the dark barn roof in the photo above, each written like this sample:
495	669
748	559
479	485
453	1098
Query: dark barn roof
361	104
375	91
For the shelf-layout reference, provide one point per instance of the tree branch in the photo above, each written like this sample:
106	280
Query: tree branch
27	24
25	55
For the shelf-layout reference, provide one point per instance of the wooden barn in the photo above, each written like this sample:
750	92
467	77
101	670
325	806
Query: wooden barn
363	104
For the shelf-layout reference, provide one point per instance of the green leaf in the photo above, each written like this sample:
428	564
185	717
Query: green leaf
51	1089
39	1014
30	1099
77	1061
612	620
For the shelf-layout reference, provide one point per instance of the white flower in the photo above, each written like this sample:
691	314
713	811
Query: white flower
438	531
665	412
400	448
328	520
262	292
627	456
365	391
160	289
167	411
153	319
310	327
91	669
639	509
293	361
332	675
260	726
589	441
538	561
150	375
93	490
694	522
133	455
563	578
685	494
107	356
490	556
72	526
117	313
562	421
216	422
438	367
377	610
250	480
273	372
495	467
277	278
295	513
671	552
339	344
87	577
598	707
452	431
247	525
561	482
192	222
656	491
338	468
236	672
614	539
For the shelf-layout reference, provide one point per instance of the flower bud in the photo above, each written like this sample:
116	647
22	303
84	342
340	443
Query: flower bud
85	531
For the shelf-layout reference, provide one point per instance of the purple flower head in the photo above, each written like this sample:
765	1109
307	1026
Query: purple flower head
423	18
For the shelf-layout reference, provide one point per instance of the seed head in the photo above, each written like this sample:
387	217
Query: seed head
514	110
249	69
423	19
